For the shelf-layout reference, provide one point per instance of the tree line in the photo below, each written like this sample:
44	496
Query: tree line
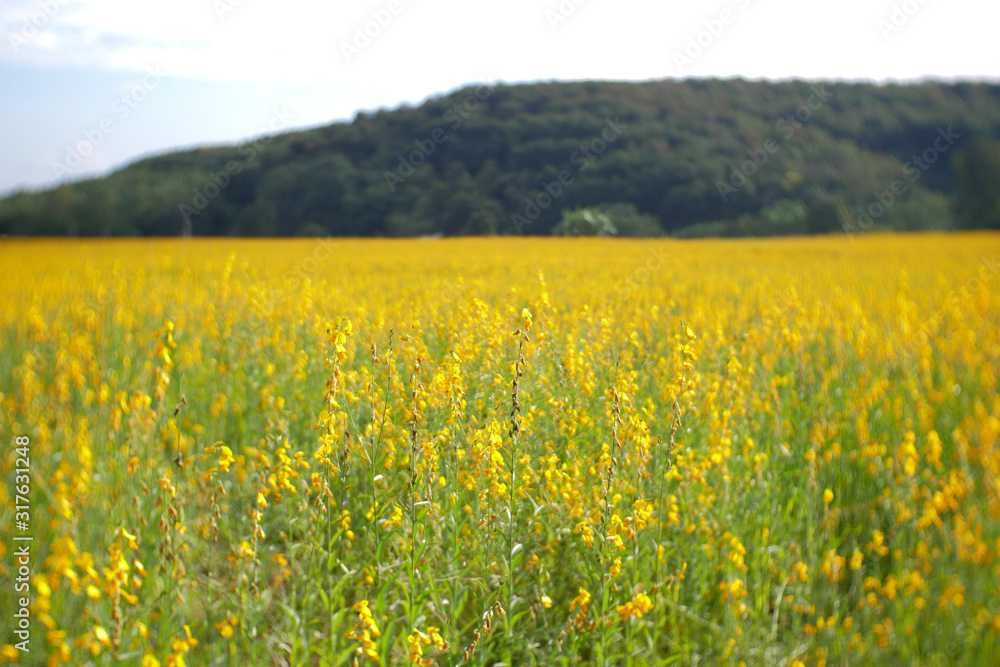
686	158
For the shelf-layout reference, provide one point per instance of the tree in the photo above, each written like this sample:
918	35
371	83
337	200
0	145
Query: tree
978	171
628	221
584	222
826	215
785	216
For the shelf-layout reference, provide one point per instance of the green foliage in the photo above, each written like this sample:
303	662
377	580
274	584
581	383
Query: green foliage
311	229
785	216
826	215
978	171
630	222
686	157
925	210
585	222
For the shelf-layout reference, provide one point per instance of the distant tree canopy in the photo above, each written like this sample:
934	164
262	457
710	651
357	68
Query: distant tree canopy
692	157
978	171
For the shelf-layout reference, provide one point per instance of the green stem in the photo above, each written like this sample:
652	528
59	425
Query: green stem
515	429
608	473
373	458
413	499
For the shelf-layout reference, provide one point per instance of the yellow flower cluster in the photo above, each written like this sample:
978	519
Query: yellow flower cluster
366	631
635	607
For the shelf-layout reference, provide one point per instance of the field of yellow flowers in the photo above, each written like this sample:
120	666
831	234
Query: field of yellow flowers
500	451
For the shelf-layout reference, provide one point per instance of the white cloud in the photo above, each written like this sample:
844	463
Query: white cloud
429	43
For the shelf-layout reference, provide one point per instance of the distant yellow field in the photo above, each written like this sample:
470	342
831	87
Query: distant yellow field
520	451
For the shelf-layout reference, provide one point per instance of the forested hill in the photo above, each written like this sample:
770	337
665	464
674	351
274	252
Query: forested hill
681	157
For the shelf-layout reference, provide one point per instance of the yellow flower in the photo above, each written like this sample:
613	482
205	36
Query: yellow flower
638	606
396	519
954	594
225	627
827	497
414	642
582	600
833	566
226	458
878	543
583	528
130	539
102	636
365	630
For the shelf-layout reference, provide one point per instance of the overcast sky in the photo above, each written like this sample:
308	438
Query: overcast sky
119	79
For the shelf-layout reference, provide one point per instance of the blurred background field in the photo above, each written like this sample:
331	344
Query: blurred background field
520	451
